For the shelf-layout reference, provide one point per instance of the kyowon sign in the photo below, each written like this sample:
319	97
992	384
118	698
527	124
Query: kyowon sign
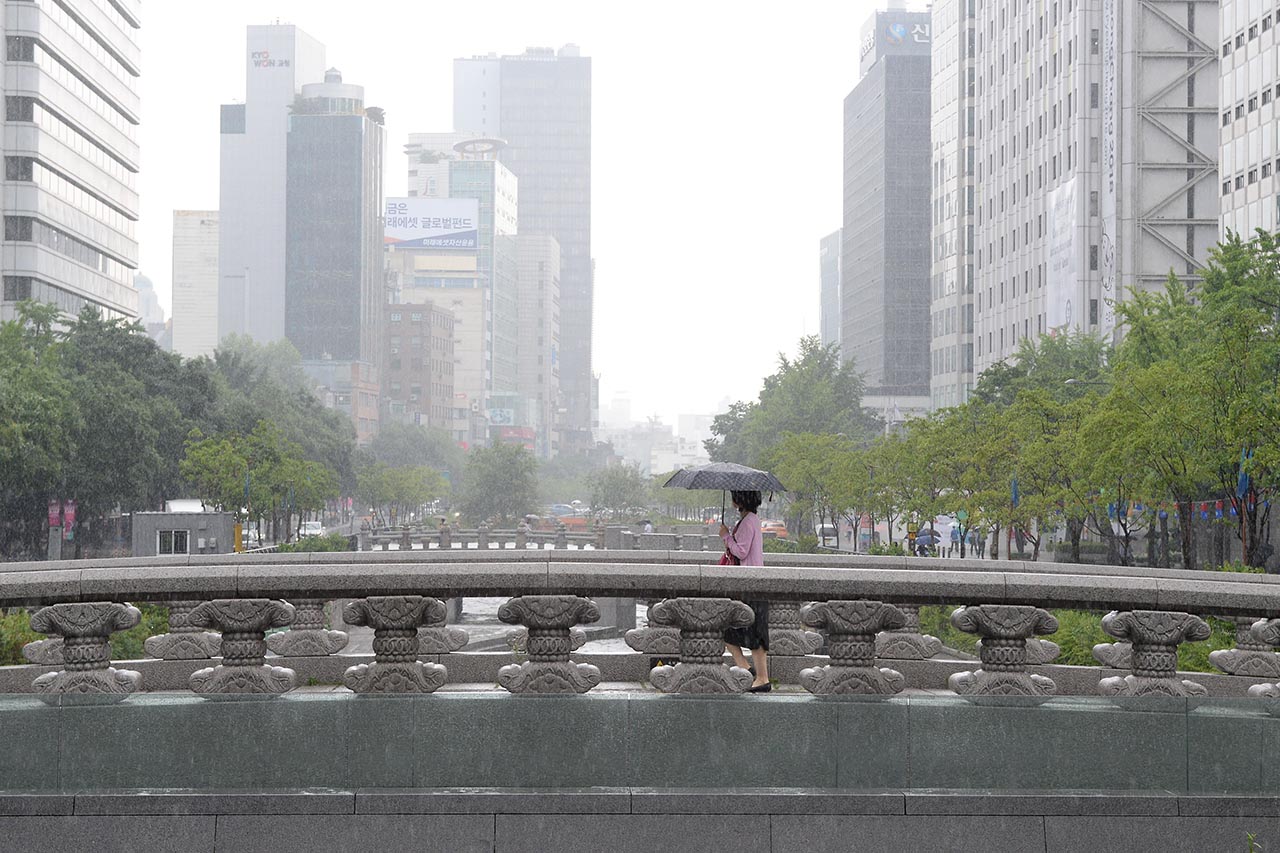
435	223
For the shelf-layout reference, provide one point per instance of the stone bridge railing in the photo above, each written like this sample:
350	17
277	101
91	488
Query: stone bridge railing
863	609
600	537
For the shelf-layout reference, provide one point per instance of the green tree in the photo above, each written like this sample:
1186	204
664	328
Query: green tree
618	489
502	484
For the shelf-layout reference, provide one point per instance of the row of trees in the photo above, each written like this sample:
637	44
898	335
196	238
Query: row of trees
1168	440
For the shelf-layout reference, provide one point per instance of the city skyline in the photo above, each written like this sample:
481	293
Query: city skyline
652	128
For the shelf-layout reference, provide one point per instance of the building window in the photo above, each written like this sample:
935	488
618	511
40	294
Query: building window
1253	32
1266	169
1266	23
172	542
1093	312
1240	182
1240	40
1253	176
1266	96
1226	118
1226	48
1093	96
1226	187
1094	39
1239	110
1253	103
1093	257
395	316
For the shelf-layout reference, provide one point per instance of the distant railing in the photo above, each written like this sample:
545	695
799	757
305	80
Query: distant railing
610	537
863	609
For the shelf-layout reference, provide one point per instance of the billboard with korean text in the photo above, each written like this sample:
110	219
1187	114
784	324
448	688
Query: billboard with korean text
432	223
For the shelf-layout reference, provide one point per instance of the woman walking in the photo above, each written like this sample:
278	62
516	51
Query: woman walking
745	546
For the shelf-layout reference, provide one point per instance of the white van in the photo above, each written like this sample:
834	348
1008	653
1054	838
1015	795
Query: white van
829	535
312	528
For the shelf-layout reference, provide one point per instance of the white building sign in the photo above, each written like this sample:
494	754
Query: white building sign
434	223
1062	310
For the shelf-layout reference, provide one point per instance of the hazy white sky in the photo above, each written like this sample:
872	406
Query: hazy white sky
716	154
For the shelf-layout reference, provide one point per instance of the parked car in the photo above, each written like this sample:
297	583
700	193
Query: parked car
775	529
312	528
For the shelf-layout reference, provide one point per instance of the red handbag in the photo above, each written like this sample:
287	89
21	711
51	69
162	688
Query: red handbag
727	558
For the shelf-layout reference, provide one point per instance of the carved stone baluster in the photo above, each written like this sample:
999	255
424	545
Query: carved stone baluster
562	537
243	623
307	636
184	640
518	640
47	652
482	538
654	639
1254	653
907	643
1155	635
395	620
600	536
522	536
1004	629
787	637
549	619
702	623
446	540
86	631
1114	655
436	637
851	628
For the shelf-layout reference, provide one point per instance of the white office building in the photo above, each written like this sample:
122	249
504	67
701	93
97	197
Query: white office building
195	282
1250	86
279	59
538	345
1093	162
71	155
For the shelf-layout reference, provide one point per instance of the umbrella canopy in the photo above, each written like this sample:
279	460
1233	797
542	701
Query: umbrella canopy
724	476
929	537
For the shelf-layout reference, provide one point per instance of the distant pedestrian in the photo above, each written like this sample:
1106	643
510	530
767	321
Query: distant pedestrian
745	547
955	541
648	526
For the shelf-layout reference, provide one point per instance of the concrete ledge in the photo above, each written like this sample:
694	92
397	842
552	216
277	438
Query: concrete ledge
642	820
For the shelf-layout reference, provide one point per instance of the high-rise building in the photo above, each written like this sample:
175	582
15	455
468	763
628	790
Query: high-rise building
1250	152
71	155
334	235
333	269
429	156
884	265
539	102
1094	161
279	59
195	282
829	289
150	314
539	344
952	214
417	364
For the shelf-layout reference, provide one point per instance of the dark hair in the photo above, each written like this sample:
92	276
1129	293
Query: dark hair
746	501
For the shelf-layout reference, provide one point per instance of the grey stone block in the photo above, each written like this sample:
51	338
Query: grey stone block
494	801
380	741
632	833
1080	590
155	583
497	740
428	833
945	802
1216	805
1225	747
1156	834
625	580
1063	743
29	744
128	834
38	586
188	742
177	802
771	801
863	720
906	834
37	803
694	741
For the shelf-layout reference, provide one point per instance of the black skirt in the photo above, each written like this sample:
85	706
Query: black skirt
755	635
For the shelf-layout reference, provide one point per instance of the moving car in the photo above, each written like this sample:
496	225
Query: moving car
312	528
775	529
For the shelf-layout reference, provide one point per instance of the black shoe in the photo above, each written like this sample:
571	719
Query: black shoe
761	688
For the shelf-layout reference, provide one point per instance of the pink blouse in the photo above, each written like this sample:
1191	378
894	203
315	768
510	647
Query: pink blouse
747	544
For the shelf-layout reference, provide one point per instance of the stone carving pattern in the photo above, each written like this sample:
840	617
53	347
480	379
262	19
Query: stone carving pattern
1155	636
518	640
243	623
86	631
907	643
1039	651
1114	655
787	636
1253	656
549	619
702	623
307	636
395	620
654	639
44	652
1265	632
435	637
184	640
1004	629
851	628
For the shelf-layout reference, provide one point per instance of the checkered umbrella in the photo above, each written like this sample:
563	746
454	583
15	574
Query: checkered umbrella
726	476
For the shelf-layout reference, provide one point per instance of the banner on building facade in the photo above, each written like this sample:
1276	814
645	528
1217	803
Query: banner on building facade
1110	166
432	223
1062	308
